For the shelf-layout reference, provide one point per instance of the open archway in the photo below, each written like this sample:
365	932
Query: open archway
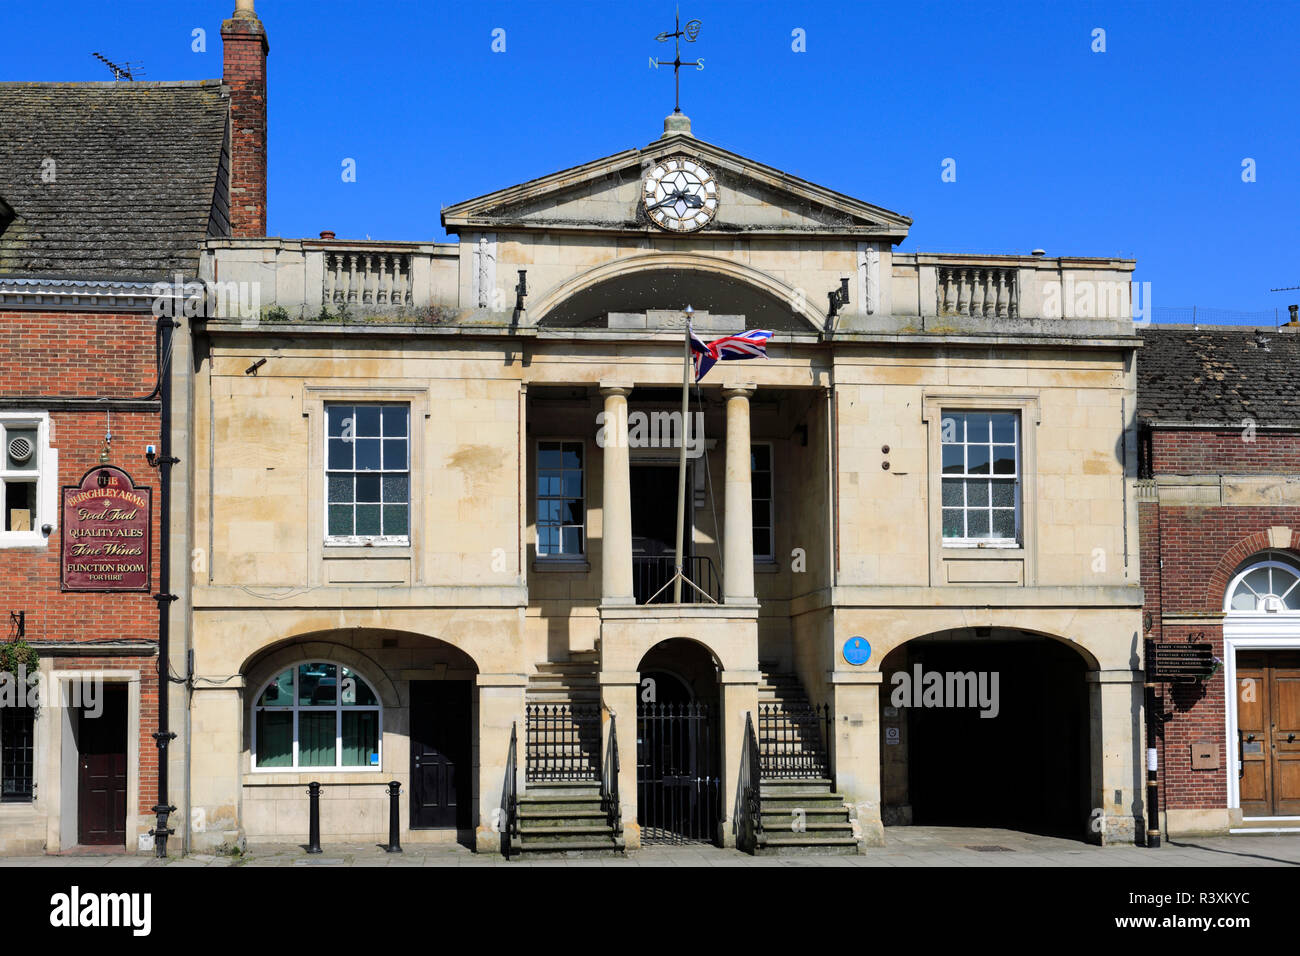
986	728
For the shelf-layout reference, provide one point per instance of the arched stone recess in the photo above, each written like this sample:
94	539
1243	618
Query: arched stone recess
797	302
1273	539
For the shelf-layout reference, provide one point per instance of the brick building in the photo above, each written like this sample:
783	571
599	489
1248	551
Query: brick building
96	209
1219	507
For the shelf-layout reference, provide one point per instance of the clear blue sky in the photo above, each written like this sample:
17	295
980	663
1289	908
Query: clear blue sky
1136	151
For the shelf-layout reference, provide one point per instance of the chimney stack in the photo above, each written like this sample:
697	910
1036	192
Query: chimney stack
243	40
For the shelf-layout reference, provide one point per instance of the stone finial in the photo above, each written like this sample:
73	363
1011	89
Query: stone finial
677	123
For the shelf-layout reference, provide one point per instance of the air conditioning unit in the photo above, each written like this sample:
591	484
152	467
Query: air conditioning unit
20	449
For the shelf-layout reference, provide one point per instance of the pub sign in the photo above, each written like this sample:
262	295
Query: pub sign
106	533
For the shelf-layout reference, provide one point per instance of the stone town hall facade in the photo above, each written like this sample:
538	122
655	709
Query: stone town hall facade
432	493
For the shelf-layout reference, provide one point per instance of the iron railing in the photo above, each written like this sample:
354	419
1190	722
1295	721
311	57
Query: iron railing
650	572
792	740
609	783
561	742
749	812
510	799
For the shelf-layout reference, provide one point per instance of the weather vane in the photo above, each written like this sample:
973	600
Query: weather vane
691	32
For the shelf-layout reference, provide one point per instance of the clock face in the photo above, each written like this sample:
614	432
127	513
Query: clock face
680	195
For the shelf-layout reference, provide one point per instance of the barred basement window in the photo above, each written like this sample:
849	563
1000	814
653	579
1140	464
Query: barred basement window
16	733
367	474
981	478
317	715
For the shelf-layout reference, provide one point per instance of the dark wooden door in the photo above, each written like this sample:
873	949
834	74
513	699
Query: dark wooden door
101	793
441	784
1268	721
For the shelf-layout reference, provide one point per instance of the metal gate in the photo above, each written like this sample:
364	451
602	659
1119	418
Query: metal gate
677	781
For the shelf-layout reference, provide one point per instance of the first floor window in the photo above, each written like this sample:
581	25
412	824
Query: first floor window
16	727
316	715
981	477
760	468
21	475
367	473
561	507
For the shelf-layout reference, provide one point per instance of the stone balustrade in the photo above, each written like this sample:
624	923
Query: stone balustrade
988	292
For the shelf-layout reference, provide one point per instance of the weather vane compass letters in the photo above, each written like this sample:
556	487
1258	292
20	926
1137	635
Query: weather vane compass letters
691	32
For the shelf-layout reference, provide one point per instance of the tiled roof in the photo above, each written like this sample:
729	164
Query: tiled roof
109	179
1218	375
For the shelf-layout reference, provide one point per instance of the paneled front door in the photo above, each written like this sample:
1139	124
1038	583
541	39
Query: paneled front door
101	784
1268	724
441	769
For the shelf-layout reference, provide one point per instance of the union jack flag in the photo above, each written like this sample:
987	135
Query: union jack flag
746	345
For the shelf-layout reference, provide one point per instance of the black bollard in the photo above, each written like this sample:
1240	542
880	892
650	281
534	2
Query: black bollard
313	825
394	791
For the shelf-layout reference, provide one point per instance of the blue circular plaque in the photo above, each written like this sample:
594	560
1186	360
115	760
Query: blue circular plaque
857	651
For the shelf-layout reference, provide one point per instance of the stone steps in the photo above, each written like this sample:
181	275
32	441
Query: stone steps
567	819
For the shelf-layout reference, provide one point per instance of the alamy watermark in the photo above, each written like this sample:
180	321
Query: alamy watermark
922	688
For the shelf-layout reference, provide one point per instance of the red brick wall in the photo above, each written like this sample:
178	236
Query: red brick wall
1231	451
87	355
245	48
1189	555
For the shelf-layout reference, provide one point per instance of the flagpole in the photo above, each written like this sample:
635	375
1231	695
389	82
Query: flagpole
681	464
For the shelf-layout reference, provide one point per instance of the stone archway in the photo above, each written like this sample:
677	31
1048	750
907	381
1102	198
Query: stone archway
987	731
679	747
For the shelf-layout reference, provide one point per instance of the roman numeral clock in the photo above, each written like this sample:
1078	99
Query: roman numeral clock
680	195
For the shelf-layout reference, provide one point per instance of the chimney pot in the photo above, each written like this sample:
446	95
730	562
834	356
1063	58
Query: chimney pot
327	233
1039	253
1295	314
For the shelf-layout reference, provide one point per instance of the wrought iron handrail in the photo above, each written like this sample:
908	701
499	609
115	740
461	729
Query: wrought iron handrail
750	816
652	571
510	798
609	782
792	740
561	742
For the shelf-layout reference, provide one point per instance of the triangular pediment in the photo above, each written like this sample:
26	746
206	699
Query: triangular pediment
606	196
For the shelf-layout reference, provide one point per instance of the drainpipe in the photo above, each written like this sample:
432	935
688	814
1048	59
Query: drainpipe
163	462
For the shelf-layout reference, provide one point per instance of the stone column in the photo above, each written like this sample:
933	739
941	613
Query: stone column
616	501
739	693
618	694
500	705
1118	788
738	523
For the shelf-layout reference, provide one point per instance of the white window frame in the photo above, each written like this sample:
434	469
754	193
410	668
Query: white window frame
537	523
770	555
367	540
337	708
1261	561
46	476
1017	478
